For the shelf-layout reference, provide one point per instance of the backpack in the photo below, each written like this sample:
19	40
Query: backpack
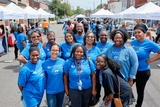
69	28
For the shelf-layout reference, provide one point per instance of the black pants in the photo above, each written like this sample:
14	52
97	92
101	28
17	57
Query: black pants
15	51
98	85
141	80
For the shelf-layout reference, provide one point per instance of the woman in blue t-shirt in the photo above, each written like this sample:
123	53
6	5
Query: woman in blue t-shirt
54	73
47	45
66	47
36	41
79	77
143	48
90	46
32	79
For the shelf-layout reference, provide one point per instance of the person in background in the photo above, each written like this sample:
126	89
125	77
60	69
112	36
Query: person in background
110	25
32	79
148	35
1	46
93	27
86	26
143	48
35	38
109	80
64	28
103	44
123	27
21	40
45	25
79	77
79	36
75	22
14	31
15	23
98	30
4	38
66	47
51	41
54	73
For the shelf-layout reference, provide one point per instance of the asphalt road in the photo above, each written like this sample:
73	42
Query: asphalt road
9	73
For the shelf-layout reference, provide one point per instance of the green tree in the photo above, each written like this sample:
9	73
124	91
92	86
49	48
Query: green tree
60	9
100	6
79	10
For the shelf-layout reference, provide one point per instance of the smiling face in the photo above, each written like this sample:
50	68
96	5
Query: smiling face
100	63
34	57
35	37
51	38
79	53
140	36
90	38
79	28
69	38
103	36
118	40
54	51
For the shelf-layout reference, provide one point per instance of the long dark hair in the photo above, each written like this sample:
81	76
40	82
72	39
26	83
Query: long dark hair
112	64
74	49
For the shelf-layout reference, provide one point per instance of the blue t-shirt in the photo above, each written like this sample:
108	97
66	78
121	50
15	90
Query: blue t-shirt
103	47
54	74
47	51
25	52
15	35
33	80
92	53
79	39
20	37
143	50
66	49
87	67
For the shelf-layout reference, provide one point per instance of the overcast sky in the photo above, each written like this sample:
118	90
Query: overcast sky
85	4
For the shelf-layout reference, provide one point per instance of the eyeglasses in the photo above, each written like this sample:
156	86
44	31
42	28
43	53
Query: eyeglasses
35	37
89	36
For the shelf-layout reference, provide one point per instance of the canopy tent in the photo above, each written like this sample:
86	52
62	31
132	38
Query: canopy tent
141	12
16	9
45	14
80	16
120	15
8	14
103	14
155	15
32	11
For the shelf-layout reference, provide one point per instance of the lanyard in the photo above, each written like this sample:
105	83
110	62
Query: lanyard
78	66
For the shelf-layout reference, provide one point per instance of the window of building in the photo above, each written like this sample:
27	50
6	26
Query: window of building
19	0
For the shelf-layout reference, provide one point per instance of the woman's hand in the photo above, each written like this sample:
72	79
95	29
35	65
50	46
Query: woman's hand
130	81
67	92
108	100
94	92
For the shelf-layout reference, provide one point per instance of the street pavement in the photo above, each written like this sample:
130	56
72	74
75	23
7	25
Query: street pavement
9	73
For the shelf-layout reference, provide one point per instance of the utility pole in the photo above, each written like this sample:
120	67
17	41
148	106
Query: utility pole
57	7
101	4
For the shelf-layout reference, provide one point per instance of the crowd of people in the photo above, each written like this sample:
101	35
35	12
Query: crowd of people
84	63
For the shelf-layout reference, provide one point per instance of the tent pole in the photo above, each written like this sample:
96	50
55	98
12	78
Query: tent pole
6	61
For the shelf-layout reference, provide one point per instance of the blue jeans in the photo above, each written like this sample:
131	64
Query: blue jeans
80	98
55	100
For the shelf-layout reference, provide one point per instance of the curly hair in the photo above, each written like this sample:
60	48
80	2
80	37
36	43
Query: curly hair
124	34
112	64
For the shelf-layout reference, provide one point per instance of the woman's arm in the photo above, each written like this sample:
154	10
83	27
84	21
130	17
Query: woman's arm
108	100
22	59
65	76
23	43
20	88
93	83
157	57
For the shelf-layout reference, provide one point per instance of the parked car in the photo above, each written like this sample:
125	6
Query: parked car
60	21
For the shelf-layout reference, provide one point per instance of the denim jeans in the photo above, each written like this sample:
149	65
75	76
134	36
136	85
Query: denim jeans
80	98
55	100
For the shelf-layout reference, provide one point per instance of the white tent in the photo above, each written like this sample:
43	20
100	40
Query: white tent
102	14
8	14
45	14
16	9
80	16
155	15
120	15
141	12
32	11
